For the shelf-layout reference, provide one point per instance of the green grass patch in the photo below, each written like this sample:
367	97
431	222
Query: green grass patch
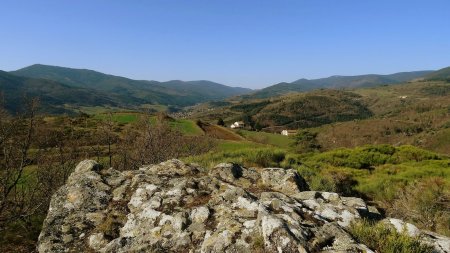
277	140
260	157
186	126
372	155
229	146
126	117
383	182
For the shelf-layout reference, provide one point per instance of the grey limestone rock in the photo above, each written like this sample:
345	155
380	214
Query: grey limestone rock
176	207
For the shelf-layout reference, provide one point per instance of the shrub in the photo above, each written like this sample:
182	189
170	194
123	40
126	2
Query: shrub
373	155
383	239
262	157
266	158
220	122
330	180
291	161
148	143
410	153
425	203
306	141
353	158
447	124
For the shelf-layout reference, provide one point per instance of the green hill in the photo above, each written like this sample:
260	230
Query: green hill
134	92
416	113
293	111
335	82
54	96
440	75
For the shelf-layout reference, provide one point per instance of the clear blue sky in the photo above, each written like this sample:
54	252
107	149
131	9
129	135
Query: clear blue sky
236	42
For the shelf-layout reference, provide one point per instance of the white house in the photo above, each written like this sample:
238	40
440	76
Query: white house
288	132
238	124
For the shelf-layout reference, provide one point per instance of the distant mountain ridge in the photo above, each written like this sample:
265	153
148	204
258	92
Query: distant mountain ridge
127	92
440	75
64	89
335	82
53	95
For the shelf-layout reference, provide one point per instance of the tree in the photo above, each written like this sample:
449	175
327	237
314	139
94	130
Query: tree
16	137
107	135
220	122
305	141
258	126
248	121
144	143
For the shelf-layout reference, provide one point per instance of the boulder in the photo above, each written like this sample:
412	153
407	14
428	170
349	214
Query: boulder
176	207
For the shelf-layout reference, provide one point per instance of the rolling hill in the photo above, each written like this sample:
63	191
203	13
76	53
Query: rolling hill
292	111
335	82
54	96
412	113
129	92
440	75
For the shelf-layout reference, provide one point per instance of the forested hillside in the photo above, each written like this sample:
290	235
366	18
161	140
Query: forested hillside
335	82
63	90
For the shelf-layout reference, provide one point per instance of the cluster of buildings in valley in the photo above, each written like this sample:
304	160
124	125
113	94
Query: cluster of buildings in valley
241	124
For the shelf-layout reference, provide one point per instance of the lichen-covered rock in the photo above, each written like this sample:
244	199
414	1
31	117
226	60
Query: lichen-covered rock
174	207
440	243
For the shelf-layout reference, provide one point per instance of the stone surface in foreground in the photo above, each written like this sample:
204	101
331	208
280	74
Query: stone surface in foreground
174	207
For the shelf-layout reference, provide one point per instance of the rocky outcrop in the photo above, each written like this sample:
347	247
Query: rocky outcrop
174	207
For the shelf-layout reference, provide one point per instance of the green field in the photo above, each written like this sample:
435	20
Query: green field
228	146
119	117
277	140
186	126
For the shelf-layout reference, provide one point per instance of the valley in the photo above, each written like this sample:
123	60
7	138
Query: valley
225	126
378	143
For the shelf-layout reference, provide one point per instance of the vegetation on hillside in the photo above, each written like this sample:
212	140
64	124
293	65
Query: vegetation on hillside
293	111
83	84
38	153
335	82
336	149
440	75
384	239
384	174
54	96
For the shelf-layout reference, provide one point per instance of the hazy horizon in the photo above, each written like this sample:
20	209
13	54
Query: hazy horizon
250	44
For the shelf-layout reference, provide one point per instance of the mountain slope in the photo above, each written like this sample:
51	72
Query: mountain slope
439	75
54	96
134	92
300	110
212	90
335	82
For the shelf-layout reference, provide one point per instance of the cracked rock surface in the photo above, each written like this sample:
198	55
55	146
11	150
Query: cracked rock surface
174	207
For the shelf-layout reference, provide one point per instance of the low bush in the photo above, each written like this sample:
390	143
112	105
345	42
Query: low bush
262	157
372	155
381	238
425	203
330	180
409	153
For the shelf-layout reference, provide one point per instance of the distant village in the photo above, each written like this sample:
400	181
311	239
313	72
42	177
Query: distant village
241	125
